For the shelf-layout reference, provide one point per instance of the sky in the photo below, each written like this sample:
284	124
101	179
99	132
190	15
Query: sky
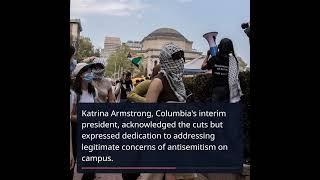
135	19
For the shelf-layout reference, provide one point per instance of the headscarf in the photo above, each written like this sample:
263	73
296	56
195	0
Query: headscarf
98	73
173	70
226	49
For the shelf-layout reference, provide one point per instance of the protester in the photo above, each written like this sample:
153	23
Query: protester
225	71
126	86
102	85
168	85
246	28
83	83
85	93
72	105
117	91
138	94
226	85
72	157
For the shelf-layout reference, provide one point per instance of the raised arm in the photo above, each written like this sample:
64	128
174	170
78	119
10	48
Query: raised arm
205	62
139	92
154	91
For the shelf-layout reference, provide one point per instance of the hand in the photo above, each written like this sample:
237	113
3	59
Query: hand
214	38
208	53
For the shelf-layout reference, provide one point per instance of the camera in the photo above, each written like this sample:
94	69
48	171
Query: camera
246	28
244	25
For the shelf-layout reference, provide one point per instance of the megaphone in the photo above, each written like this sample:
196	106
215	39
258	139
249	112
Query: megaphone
212	43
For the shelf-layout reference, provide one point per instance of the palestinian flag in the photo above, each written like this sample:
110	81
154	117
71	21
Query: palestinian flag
136	60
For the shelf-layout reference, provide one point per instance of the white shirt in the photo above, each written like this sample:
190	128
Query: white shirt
86	97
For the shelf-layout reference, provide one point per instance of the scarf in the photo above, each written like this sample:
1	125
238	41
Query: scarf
98	73
233	79
173	70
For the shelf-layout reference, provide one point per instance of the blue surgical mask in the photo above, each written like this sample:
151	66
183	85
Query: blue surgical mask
88	77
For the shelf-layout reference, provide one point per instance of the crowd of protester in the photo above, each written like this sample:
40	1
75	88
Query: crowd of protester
89	85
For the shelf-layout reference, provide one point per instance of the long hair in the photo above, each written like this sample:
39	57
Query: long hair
77	83
225	47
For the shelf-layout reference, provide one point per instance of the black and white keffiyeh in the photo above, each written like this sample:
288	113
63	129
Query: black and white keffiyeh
173	70
234	83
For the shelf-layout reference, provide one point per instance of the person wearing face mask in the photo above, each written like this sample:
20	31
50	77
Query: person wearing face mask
226	84
101	84
126	86
85	93
168	85
83	83
225	72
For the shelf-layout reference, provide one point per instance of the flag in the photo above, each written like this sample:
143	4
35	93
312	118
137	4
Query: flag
136	60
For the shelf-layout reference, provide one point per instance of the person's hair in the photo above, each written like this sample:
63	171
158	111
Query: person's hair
77	83
155	71
225	47
98	65
72	51
128	74
178	55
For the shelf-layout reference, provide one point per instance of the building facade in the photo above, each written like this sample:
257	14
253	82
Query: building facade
134	45
75	29
111	44
153	43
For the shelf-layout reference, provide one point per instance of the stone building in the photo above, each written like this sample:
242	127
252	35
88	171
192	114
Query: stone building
153	43
134	45
111	44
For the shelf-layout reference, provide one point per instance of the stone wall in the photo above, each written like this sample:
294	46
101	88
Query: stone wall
151	51
159	43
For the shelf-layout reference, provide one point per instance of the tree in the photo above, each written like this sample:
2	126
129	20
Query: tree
243	66
119	60
85	49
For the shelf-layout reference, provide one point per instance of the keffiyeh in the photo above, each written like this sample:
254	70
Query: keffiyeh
234	84
173	70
